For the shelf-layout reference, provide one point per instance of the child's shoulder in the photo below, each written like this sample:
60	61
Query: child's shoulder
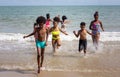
99	21
80	30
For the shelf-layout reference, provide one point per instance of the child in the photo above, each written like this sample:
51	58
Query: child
41	41
55	30
48	21
96	26
83	39
63	23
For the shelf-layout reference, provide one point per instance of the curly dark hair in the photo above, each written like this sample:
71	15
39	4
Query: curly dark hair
57	19
40	19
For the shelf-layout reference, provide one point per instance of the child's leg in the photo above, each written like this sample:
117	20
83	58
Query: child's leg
85	46
53	45
94	40
80	46
97	40
38	58
58	43
42	56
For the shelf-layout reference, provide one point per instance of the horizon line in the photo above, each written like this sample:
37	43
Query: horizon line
59	5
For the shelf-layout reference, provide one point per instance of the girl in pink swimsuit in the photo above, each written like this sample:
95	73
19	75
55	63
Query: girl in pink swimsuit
95	26
47	24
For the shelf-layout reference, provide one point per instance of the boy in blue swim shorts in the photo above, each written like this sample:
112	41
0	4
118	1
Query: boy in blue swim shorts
41	41
40	44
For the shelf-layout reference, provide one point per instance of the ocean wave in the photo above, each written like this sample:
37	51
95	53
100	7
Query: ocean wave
105	36
13	37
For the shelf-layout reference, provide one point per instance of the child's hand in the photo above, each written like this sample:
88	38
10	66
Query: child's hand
46	44
66	34
74	32
24	37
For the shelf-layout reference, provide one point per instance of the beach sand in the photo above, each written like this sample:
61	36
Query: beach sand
95	67
17	73
57	74
102	65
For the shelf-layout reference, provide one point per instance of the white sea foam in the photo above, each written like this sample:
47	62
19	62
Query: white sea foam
8	67
13	37
105	36
110	36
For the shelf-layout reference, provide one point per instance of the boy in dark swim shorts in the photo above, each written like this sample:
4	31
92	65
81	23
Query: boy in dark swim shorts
83	37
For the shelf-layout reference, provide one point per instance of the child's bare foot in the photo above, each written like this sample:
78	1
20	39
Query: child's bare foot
84	54
58	46
54	50
96	48
80	51
39	69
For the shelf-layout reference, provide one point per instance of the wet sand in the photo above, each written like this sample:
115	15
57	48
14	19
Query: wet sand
57	74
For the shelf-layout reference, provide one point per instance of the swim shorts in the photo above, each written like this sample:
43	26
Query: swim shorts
40	44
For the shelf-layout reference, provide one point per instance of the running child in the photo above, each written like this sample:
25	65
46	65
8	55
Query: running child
41	40
55	31
64	21
82	33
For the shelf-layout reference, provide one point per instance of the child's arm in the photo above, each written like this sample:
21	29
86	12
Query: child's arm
89	33
30	34
63	32
47	34
90	27
51	20
76	34
101	26
50	30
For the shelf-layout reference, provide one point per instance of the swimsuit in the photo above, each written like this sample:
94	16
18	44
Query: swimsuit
55	33
63	26
47	23
96	28
40	44
82	44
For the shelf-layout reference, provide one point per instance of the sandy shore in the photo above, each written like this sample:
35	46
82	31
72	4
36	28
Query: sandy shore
57	74
17	74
